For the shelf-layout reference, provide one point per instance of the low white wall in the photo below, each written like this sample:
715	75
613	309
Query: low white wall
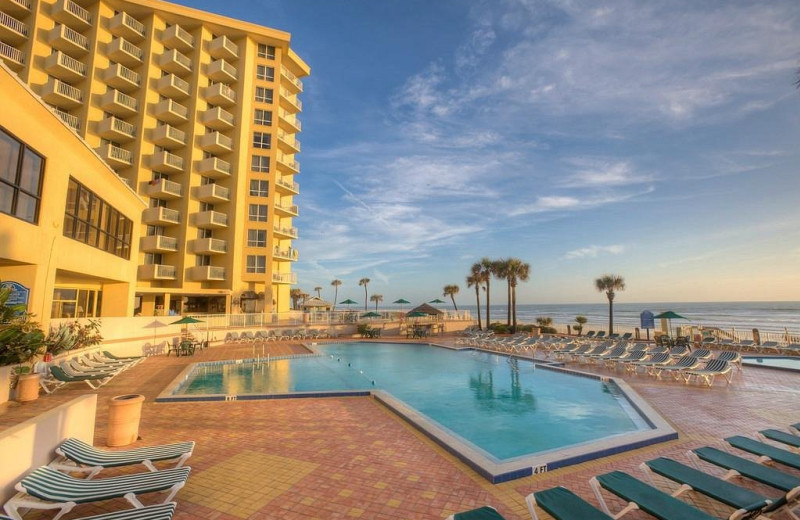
31	444
5	382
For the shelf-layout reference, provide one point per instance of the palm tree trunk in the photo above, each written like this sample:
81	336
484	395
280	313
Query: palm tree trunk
478	299
376	305
610	316
508	306
366	297
335	296
488	321
454	302
514	311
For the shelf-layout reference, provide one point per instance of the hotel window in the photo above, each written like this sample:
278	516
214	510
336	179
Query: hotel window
265	73
257	213
76	303
266	51
263	117
89	219
256	264
260	163
264	95
256	238
259	188
21	172
262	140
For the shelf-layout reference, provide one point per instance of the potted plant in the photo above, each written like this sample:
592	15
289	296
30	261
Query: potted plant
21	342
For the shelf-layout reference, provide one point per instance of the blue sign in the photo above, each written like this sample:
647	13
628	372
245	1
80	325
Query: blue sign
19	293
647	321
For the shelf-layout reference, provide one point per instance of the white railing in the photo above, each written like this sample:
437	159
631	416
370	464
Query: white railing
12	53
78	11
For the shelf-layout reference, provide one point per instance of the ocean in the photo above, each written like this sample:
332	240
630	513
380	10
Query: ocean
766	316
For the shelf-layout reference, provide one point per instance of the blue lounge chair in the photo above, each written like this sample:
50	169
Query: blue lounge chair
482	513
52	489
765	451
641	496
158	512
563	504
76	455
747	504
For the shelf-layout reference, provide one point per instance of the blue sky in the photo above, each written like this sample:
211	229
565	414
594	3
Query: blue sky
655	140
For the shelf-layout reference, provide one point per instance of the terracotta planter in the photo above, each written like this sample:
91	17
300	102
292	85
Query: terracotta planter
28	387
124	413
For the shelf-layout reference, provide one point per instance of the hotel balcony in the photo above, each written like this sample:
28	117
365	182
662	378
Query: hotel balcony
158	244
16	7
284	255
286	211
171	111
177	37
216	142
12	30
287	164
121	78
169	137
211	219
213	193
209	246
220	94
156	272
173	86
115	129
14	58
206	273
289	143
284	278
293	82
115	156
71	121
223	47
214	167
217	118
161	217
64	67
287	187
221	70
118	103
125	52
163	189
126	26
70	13
67	39
285	232
289	122
173	60
290	101
60	94
164	161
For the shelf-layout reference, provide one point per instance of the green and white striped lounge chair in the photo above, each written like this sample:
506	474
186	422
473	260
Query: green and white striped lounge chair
76	455
764	451
47	488
734	358
713	368
782	437
741	467
131	359
630	357
685	363
648	364
563	504
703	354
482	513
158	512
795	427
59	378
746	503
642	496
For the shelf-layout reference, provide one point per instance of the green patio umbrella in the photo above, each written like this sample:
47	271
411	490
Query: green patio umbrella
401	301
371	314
670	315
348	302
186	320
417	314
437	300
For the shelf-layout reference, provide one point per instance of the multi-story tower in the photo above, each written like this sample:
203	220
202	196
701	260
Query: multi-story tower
198	113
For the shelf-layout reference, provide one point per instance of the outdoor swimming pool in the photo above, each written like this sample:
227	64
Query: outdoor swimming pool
496	409
777	362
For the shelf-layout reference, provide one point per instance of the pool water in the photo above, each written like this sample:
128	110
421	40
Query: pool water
504	407
785	363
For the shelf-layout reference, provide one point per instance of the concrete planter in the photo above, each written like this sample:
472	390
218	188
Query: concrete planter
124	413
5	382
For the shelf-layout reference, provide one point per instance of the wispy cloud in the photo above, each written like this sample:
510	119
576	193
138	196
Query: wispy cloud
603	173
594	251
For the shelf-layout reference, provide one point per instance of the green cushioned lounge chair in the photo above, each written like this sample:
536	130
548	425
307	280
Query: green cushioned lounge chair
563	504
747	504
46	488
707	374
642	496
59	378
765	451
76	455
782	437
687	362
482	513
158	512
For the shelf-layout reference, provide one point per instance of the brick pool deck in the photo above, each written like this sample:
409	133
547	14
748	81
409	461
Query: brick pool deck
352	458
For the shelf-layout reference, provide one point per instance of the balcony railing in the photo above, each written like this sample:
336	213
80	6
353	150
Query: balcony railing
163	188
115	156
206	273
290	232
285	254
211	219
118	103
123	51
165	161
121	77
221	70
220	94
168	136
22	6
291	99
291	142
13	29
287	210
171	111
214	167
292	187
216	142
14	57
213	193
116	129
65	38
159	243
69	119
223	47
210	246
293	80
178	37
127	26
67	11
291	164
157	272
291	119
284	277
64	66
175	61
159	216
217	118
173	86
61	94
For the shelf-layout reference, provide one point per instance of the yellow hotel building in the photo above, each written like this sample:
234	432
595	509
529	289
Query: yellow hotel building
196	113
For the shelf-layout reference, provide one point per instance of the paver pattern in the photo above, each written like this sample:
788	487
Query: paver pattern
351	458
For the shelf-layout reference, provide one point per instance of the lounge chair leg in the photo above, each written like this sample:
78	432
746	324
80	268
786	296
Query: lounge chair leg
131	497
174	491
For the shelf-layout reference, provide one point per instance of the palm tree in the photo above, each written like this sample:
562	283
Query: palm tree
364	282
502	273
451	291
488	269
581	321
318	289
610	283
515	271
377	298
295	294
335	284
475	280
